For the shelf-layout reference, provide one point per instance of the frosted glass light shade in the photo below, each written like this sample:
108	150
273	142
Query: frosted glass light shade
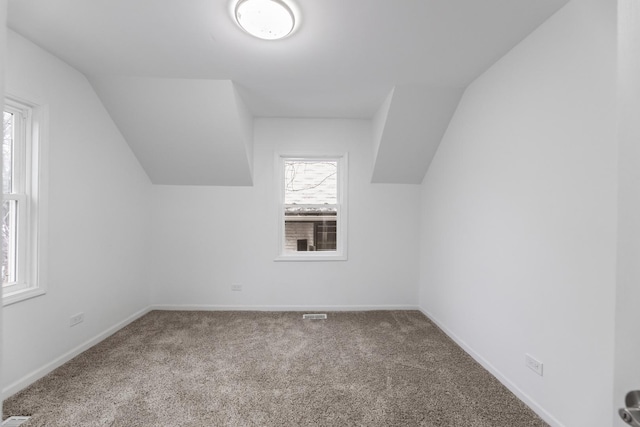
265	19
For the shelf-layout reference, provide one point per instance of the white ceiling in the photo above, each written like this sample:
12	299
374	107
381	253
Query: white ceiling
342	62
160	117
408	129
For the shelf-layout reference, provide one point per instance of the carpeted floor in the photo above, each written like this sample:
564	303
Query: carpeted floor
377	368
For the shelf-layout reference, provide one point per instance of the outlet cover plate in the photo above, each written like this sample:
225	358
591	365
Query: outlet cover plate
534	364
75	319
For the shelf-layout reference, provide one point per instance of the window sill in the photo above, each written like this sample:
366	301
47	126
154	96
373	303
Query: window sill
308	257
21	295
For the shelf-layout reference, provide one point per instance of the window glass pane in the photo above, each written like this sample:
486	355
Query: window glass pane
7	152
304	233
309	182
326	233
9	241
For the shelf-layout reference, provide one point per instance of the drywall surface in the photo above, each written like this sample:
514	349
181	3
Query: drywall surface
183	131
627	368
97	218
206	239
408	129
3	40
518	223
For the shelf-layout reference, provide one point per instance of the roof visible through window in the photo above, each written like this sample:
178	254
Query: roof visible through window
310	182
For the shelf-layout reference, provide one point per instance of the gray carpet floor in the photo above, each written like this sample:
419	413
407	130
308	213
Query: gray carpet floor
377	368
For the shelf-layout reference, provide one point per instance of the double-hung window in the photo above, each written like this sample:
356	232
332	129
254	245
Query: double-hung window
312	208
20	201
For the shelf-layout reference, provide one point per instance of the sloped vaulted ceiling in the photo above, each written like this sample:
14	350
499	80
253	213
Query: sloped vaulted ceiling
191	63
184	132
408	128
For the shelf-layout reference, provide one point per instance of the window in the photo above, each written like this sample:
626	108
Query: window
312	209
21	201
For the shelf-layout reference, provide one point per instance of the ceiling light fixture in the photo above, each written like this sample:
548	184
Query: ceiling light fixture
265	19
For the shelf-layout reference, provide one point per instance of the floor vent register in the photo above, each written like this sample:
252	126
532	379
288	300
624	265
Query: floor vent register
314	316
14	421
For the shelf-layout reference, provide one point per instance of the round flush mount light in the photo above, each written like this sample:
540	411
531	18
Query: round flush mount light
265	19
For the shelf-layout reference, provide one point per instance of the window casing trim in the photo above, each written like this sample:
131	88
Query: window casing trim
31	193
340	254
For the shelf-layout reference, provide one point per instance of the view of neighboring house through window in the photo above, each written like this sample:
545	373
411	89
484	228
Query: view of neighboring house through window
20	192
313	207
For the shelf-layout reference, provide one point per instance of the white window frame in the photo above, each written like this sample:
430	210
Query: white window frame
30	128
340	254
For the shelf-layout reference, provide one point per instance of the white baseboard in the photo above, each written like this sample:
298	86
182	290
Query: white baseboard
34	376
208	307
542	413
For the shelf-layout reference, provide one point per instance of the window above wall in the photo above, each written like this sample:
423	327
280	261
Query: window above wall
312	208
23	204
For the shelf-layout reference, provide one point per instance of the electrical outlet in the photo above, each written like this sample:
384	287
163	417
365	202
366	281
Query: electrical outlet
236	288
78	318
533	364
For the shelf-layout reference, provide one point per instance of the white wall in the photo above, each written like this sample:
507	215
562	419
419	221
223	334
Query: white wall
206	239
97	223
3	40
519	217
627	371
517	223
